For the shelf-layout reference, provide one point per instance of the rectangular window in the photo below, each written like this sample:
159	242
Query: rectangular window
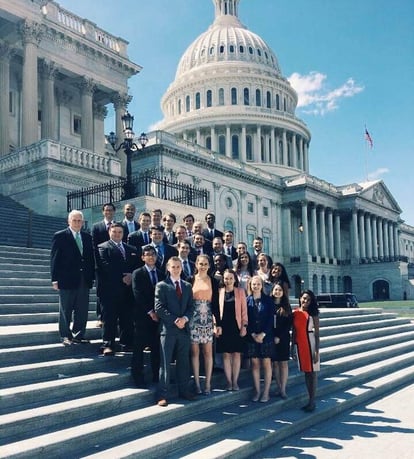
77	124
265	211
250	207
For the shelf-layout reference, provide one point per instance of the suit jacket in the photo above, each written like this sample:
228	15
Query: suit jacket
112	266
191	265
169	307
233	252
169	251
207	235
137	239
172	240
263	320
144	293
99	234
126	229
67	264
240	307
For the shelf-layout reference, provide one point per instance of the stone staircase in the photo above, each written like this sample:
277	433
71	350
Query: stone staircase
21	227
58	401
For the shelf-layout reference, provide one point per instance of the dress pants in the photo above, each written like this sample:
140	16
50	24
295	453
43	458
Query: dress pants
74	301
146	334
178	341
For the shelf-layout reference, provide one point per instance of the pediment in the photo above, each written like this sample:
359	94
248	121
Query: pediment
378	193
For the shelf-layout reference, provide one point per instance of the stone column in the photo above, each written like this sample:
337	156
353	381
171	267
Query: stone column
273	142
368	233
198	136
306	158
314	231
279	236
330	234
305	233
228	142
391	240
322	232
285	148
337	224
380	239
294	152
99	112
87	87
213	138
386	242
31	34
362	234
301	163
354	232
374	238
5	55
288	234
120	101
48	73
278	158
396	241
258	154
243	148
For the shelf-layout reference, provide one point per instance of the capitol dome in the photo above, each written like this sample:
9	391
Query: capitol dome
230	96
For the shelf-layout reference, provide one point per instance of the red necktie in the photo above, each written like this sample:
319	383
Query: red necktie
178	289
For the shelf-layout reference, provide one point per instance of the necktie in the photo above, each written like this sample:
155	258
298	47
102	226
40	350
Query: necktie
153	277
121	249
146	237
228	251
178	289
79	242
187	269
159	255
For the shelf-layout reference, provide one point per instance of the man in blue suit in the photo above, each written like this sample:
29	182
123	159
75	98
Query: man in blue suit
72	268
174	306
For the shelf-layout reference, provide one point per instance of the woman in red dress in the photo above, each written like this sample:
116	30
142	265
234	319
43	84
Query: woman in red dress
306	341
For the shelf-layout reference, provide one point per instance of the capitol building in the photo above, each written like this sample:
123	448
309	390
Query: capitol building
229	131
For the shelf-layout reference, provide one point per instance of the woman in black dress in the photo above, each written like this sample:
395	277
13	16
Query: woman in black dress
283	320
231	327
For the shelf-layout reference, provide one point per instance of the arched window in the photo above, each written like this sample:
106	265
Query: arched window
277	102
179	106
208	143
241	49
222	144
221	96
258	98
331	284
268	100
209	101
250	50
197	101
233	96
229	225
212	51
246	96
323	283
187	103
249	149
259	53
235	146
221	49
232	48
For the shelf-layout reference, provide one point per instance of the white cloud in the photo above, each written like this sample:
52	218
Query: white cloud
377	174
314	96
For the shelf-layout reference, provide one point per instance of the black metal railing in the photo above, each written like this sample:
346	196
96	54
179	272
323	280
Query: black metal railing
142	185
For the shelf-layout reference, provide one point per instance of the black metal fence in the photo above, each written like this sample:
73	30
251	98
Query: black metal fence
141	185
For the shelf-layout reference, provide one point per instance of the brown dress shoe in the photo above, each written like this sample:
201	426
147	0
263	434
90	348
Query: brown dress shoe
162	402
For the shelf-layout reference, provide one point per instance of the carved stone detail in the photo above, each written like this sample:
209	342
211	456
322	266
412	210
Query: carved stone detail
121	100
31	32
100	111
48	69
87	86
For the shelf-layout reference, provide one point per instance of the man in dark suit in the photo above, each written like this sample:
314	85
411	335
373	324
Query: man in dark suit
174	306
218	249
257	250
228	247
100	234
164	251
211	232
116	262
183	248
129	223
142	236
201	246
169	220
146	320
72	267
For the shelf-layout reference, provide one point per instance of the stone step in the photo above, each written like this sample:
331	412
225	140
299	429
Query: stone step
52	297
23	252
332	321
23	274
27	268
364	326
22	281
145	431
28	261
36	318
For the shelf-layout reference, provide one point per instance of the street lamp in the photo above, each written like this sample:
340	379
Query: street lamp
129	148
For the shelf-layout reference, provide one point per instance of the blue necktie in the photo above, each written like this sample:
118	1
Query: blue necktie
153	277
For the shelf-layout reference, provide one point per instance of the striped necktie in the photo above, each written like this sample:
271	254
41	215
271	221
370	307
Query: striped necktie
79	242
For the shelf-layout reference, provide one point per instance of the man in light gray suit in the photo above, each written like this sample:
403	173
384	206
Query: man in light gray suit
174	306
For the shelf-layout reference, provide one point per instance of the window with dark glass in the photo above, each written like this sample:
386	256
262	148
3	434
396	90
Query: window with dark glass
246	96
233	96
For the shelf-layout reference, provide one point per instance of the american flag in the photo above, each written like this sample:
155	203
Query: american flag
368	138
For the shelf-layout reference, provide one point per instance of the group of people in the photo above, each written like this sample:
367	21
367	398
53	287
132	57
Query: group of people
181	290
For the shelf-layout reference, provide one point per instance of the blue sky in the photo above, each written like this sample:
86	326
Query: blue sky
351	61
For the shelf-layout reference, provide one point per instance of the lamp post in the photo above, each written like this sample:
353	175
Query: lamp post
129	148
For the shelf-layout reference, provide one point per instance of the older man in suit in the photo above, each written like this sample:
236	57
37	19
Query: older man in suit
174	306
116	262
146	321
72	267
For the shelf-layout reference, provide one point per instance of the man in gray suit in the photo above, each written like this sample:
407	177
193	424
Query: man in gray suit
174	306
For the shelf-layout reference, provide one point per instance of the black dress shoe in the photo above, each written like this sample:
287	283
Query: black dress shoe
80	341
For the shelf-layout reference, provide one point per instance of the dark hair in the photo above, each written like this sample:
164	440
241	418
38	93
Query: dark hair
156	228
116	225
171	215
144	214
283	278
250	268
184	242
313	309
110	205
284	305
148	248
229	271
188	216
